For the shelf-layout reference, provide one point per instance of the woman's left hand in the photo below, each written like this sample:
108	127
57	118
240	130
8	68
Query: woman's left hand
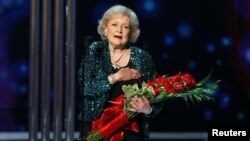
140	105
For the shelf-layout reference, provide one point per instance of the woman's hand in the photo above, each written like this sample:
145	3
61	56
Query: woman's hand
140	105
125	74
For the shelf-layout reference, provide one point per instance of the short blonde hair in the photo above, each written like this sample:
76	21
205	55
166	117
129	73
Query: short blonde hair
120	9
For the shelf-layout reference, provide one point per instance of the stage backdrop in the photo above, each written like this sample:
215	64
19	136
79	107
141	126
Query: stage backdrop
182	36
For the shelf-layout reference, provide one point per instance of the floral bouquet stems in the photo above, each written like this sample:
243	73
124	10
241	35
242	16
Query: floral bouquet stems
183	85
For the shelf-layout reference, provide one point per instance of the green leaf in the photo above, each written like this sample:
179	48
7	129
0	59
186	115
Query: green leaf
204	80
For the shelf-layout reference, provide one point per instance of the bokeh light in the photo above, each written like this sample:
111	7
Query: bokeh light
211	48
208	115
225	100
226	41
244	51
189	36
184	30
169	39
149	9
191	64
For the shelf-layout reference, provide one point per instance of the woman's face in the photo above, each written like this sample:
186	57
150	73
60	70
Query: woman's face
117	30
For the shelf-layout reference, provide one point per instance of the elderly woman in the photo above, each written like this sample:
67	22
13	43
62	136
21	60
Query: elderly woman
111	63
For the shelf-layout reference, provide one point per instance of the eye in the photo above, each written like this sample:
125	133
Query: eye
126	27
114	24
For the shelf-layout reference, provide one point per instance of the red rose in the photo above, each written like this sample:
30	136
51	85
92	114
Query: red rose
160	80
175	78
157	92
189	81
168	87
152	84
179	87
177	83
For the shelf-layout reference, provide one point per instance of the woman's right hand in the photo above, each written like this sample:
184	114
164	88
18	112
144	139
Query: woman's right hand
127	73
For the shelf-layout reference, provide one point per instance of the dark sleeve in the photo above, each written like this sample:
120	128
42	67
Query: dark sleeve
151	73
90	80
93	82
85	129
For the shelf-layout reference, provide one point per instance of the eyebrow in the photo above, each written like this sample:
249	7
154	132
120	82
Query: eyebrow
118	22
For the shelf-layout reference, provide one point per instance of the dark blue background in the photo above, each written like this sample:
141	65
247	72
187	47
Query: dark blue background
193	36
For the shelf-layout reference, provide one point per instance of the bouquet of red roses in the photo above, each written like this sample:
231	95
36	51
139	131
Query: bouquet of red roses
115	119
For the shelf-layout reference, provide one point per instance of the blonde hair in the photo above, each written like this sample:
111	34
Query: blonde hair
120	9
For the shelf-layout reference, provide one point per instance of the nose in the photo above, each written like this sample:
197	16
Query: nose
119	29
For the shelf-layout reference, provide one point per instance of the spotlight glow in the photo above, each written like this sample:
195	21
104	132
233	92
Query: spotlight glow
169	40
192	64
225	100
184	30
226	41
149	5
247	54
210	47
149	9
208	115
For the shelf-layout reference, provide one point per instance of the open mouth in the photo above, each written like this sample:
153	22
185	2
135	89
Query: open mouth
118	37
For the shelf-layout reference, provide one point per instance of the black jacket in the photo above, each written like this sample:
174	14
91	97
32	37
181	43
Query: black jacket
93	79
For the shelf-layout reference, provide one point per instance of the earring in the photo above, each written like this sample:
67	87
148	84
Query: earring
105	33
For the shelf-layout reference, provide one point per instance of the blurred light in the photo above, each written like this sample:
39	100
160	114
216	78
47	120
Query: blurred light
191	64
241	116
20	68
24	68
145	46
6	3
149	9
208	115
19	2
169	40
225	100
184	30
226	41
218	62
247	54
9	6
164	56
23	89
149	5
210	47
243	8
1	10
244	52
14	86
3	74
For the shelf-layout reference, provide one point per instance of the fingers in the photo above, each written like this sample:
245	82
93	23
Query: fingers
134	105
135	74
145	99
128	74
133	110
140	105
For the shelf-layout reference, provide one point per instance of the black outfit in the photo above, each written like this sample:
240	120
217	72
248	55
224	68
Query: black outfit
96	90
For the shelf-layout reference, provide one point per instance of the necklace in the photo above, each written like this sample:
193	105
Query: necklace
115	63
